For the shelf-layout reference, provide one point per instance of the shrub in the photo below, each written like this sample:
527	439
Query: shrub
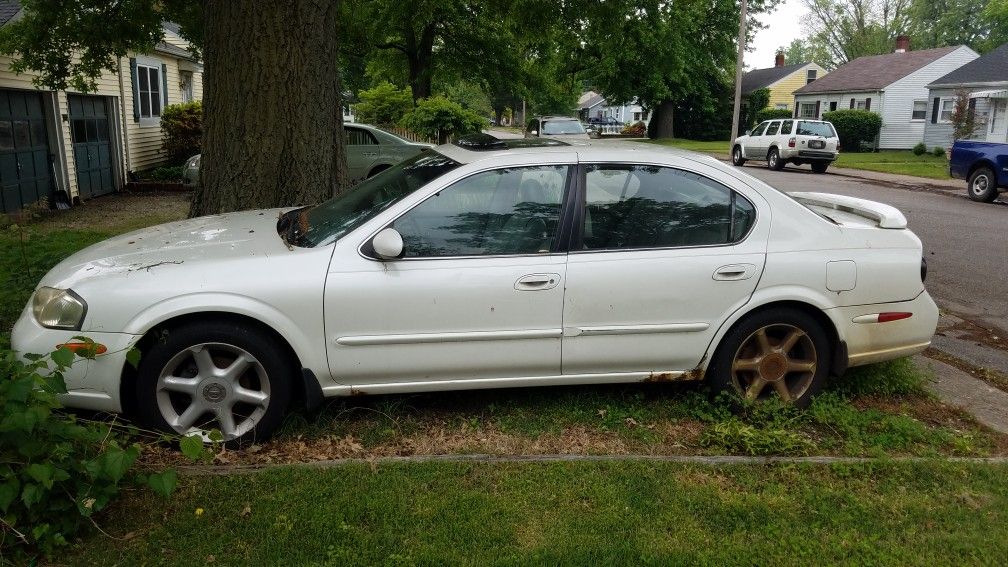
754	103
182	129
439	118
58	471
637	129
938	152
772	114
168	173
384	105
963	118
857	129
920	149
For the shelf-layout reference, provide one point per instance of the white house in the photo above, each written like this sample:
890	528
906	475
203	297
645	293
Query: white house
986	79
893	85
593	105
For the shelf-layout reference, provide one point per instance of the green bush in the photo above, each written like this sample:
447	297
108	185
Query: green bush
938	152
857	129
637	129
384	105
439	118
772	114
920	149
182	129
167	173
57	471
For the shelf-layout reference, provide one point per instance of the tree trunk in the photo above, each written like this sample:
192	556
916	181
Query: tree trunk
273	126
662	124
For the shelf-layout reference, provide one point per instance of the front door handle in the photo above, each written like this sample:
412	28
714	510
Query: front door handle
537	282
735	272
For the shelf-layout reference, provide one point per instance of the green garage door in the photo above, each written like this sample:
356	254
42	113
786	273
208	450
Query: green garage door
92	148
25	167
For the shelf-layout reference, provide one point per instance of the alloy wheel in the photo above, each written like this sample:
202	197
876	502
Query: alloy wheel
213	385
775	360
980	184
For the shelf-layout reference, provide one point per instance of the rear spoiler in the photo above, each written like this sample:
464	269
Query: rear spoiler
884	215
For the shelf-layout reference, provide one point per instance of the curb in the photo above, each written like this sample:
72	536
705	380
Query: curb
706	460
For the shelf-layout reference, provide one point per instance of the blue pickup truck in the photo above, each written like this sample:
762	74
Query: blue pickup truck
984	166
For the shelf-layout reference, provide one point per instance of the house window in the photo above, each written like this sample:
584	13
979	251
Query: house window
807	110
810	76
185	86
636	116
919	110
860	105
832	106
149	91
781	106
946	110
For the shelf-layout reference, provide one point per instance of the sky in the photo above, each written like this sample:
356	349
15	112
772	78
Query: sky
782	27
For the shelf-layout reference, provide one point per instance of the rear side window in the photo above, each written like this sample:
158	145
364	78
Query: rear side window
786	126
637	206
824	129
358	137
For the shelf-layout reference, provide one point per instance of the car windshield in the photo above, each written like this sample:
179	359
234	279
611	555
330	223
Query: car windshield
554	127
824	129
331	220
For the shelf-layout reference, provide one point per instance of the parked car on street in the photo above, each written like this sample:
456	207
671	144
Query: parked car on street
563	128
369	150
984	166
487	264
794	141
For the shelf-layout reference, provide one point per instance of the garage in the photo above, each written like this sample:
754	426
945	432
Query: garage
26	170
92	145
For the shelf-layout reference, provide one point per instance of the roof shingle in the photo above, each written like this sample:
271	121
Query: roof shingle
991	67
874	72
8	9
761	78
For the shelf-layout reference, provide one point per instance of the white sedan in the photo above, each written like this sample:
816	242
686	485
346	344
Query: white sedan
488	264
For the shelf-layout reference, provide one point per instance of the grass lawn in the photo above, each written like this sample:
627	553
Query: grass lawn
903	162
566	513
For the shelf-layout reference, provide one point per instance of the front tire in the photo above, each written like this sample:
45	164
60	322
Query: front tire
216	375
736	156
982	186
819	167
773	160
779	353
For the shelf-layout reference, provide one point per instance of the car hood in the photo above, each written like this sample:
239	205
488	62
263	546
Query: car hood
201	240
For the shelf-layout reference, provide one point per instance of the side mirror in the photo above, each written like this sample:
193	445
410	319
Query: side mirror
388	244
534	132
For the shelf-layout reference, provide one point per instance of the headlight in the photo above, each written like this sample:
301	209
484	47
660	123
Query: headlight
58	308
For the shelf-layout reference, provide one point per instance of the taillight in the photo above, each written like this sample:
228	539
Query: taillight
791	143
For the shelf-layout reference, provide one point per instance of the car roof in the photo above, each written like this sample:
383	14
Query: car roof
595	150
556	117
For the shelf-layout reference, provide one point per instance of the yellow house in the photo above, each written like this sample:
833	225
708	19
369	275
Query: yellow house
67	146
782	80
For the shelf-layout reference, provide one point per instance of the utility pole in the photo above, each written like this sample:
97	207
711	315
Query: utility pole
738	76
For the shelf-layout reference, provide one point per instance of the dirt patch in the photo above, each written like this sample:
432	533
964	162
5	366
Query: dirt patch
992	377
931	412
112	212
968	330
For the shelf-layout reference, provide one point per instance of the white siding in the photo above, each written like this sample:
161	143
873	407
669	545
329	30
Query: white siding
898	130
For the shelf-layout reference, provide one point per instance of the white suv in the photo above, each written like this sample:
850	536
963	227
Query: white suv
780	142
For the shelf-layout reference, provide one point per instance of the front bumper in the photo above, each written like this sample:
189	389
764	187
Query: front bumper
91	384
868	343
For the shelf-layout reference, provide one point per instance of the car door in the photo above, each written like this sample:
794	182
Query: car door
755	147
361	152
477	293
665	255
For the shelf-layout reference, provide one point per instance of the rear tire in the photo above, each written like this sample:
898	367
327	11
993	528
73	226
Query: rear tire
773	160
736	156
215	375
982	186
779	352
819	167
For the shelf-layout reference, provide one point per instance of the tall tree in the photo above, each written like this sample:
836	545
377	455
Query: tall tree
937	23
272	124
798	51
843	30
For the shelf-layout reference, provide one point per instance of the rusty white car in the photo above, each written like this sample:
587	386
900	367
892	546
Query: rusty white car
488	264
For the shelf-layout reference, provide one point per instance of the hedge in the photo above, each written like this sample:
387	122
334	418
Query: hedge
772	114
857	129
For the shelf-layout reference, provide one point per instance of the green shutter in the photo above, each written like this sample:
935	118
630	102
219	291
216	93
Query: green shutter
164	85
133	87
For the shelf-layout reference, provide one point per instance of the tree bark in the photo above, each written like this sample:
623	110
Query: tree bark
273	125
662	124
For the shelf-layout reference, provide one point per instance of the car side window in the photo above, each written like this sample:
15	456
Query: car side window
758	130
773	128
639	206
786	126
359	137
503	211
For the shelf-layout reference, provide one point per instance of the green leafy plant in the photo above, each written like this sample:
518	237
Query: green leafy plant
754	103
383	105
772	114
938	151
57	470
182	128
442	119
168	173
857	129
963	118
920	149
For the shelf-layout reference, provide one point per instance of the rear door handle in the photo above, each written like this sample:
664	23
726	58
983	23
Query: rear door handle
735	272
537	282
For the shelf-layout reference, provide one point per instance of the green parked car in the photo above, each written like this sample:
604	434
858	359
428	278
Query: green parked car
368	151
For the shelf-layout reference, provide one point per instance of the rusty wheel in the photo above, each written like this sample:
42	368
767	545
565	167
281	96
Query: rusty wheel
779	353
776	360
